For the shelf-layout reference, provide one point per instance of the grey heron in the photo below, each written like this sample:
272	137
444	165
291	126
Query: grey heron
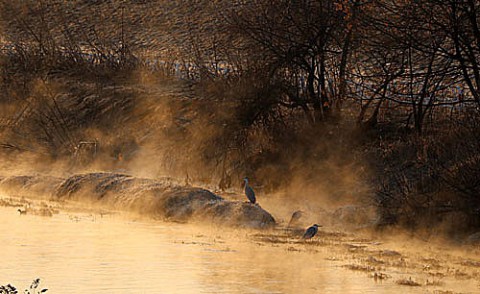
310	232
249	192
295	217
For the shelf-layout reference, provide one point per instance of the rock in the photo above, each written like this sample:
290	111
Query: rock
158	198
355	215
31	186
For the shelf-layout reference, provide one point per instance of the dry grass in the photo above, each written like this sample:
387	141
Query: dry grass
360	267
379	276
408	282
34	288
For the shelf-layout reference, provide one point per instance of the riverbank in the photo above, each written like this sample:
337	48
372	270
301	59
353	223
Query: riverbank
161	199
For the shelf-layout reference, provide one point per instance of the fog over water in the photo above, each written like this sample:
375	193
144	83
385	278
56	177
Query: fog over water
97	252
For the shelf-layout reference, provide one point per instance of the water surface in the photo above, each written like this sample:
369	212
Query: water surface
87	253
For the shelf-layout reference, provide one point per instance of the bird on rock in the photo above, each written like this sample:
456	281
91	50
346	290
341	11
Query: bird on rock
249	192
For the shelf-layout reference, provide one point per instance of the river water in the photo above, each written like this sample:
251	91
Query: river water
75	252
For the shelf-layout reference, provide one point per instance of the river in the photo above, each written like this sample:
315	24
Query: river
88	252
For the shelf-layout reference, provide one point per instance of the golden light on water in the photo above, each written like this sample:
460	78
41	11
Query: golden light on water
85	252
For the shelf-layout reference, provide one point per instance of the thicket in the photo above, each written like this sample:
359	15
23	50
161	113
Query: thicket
282	88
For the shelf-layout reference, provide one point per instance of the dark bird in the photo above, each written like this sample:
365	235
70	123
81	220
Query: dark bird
249	192
295	217
22	211
310	232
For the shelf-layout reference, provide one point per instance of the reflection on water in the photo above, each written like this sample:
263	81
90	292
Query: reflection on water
88	254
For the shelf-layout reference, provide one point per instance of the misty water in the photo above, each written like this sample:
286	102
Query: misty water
85	252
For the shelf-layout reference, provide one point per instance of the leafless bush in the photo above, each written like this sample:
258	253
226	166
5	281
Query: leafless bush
430	177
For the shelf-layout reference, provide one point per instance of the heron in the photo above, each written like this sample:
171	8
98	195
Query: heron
295	217
310	232
249	192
